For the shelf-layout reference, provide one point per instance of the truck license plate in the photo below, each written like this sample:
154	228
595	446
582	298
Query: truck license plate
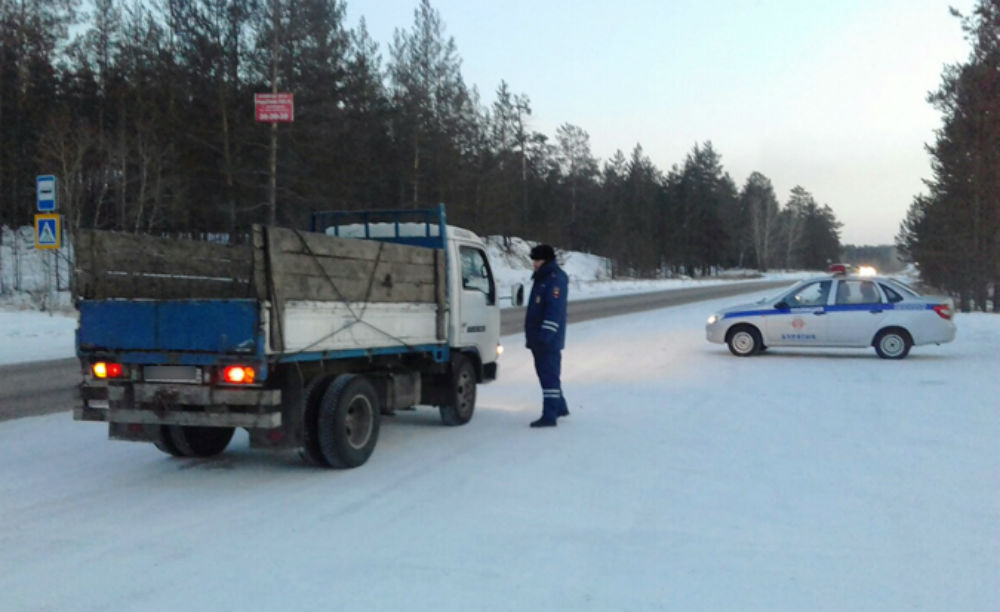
171	373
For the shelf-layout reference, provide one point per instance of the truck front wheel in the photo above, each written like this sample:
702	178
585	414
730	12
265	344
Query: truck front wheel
461	399
348	421
194	441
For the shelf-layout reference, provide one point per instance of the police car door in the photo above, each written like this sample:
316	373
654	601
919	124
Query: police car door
480	318
801	320
856	314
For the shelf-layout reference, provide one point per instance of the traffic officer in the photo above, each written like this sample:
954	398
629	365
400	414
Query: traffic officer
545	331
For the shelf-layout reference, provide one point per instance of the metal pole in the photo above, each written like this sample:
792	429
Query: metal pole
273	205
274	173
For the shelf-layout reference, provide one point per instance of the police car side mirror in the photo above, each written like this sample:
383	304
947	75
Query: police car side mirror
517	295
782	305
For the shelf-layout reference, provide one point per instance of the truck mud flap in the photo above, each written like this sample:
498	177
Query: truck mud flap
489	372
95	403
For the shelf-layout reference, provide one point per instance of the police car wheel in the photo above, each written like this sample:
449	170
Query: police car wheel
744	341
893	344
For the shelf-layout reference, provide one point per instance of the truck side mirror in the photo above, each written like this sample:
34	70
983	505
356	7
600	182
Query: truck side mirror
517	295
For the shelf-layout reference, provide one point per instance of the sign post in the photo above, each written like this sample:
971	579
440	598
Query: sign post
48	223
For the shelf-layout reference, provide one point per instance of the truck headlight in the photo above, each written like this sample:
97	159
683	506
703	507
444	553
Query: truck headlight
499	349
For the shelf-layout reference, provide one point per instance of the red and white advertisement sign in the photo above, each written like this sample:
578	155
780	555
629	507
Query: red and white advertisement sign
274	107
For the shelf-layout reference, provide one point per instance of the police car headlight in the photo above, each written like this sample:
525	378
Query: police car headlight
712	320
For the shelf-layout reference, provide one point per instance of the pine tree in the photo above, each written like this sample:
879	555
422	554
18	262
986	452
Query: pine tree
432	106
759	213
953	233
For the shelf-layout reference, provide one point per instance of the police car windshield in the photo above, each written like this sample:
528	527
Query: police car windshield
770	299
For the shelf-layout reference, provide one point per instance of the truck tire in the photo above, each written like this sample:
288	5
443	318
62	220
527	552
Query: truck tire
461	402
348	421
195	441
310	420
165	443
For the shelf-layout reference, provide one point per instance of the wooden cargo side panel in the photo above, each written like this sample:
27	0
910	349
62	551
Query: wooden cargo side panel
290	241
328	268
302	277
119	265
137	286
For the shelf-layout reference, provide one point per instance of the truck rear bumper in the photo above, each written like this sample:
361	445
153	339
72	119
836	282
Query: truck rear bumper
192	405
269	420
194	395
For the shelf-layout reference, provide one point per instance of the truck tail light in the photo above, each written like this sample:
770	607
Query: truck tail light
108	369
943	310
239	374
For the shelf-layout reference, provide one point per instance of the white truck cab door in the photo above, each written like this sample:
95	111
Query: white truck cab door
479	318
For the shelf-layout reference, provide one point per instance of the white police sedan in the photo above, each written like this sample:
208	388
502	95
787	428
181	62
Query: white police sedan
839	310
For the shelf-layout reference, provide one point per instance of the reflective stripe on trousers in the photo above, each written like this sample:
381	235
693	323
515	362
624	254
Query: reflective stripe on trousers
548	365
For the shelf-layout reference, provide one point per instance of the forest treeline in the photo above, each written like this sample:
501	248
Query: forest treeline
144	111
953	230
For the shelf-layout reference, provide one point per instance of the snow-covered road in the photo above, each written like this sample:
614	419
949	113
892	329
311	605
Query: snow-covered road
685	478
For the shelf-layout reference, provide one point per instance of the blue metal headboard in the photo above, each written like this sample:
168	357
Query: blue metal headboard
324	221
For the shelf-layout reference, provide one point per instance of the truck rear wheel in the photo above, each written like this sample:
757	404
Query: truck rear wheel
195	441
165	443
461	393
310	420
348	421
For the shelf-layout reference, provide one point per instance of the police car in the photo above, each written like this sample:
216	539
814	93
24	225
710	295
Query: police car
839	310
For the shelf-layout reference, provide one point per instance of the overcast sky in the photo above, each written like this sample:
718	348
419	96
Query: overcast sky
828	95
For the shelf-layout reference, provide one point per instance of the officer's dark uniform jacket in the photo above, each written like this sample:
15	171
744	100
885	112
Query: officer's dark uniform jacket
545	319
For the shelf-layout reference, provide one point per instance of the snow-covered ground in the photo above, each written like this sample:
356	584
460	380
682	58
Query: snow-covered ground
685	478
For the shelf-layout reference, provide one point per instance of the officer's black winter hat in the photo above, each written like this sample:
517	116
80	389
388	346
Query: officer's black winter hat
543	252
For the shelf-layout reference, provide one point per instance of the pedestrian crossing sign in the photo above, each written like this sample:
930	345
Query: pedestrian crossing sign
47	232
